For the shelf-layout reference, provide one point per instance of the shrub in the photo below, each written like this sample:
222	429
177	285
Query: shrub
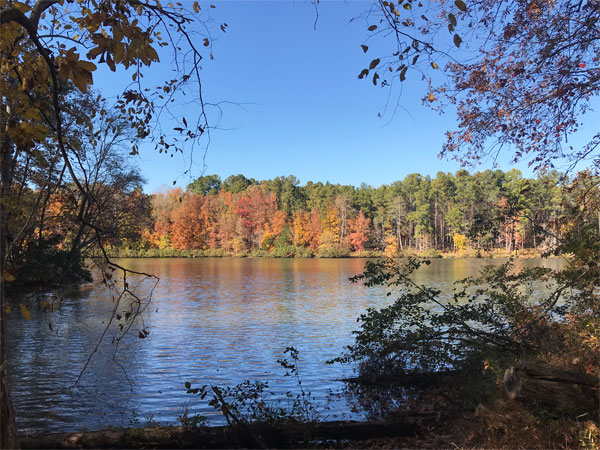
432	253
460	241
291	251
267	242
46	266
303	252
259	253
191	253
254	402
284	251
368	254
216	253
488	322
332	251
167	252
284	238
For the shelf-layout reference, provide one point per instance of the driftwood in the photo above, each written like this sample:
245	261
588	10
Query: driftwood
551	387
290	435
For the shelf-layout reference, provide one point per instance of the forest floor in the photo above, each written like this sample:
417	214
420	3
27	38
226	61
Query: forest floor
505	425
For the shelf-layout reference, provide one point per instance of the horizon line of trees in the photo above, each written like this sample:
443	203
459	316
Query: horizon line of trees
451	212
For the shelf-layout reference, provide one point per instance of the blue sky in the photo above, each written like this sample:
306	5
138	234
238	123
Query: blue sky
296	105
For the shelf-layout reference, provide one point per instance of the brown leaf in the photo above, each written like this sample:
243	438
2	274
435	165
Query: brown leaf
460	5
457	40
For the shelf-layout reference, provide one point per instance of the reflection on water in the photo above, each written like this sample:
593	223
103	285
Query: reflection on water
219	321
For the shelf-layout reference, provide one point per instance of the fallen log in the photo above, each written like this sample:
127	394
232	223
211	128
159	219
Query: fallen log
562	390
416	378
288	435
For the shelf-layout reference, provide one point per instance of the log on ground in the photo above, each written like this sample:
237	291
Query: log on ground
289	435
552	387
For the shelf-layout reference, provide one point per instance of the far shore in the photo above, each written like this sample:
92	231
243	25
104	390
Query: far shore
431	254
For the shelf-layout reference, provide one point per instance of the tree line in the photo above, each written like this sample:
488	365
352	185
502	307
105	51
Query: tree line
488	211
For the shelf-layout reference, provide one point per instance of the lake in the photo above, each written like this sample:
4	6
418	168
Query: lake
210	321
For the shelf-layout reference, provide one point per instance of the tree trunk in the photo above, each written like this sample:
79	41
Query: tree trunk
8	428
543	385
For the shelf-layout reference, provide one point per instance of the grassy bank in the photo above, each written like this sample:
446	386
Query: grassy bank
302	252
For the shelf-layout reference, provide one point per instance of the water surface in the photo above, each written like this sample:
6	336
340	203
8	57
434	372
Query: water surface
211	321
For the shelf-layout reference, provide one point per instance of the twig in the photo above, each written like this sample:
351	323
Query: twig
227	412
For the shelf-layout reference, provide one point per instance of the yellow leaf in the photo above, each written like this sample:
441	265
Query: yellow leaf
431	97
31	114
24	311
40	158
80	80
110	62
151	54
23	7
196	7
87	65
119	52
8	276
8	310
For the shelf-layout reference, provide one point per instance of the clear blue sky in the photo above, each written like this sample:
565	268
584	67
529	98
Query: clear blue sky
297	105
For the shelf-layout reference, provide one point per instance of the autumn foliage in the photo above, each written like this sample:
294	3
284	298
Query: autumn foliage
491	211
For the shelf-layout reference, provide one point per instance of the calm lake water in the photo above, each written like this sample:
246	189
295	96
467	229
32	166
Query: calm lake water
211	321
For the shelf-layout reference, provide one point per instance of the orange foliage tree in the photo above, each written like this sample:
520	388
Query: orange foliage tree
359	231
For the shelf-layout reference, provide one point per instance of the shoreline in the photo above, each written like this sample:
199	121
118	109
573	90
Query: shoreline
245	435
369	255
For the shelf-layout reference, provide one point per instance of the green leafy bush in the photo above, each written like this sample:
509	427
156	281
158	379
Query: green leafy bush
284	251
432	253
285	238
303	252
368	254
332	251
216	253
